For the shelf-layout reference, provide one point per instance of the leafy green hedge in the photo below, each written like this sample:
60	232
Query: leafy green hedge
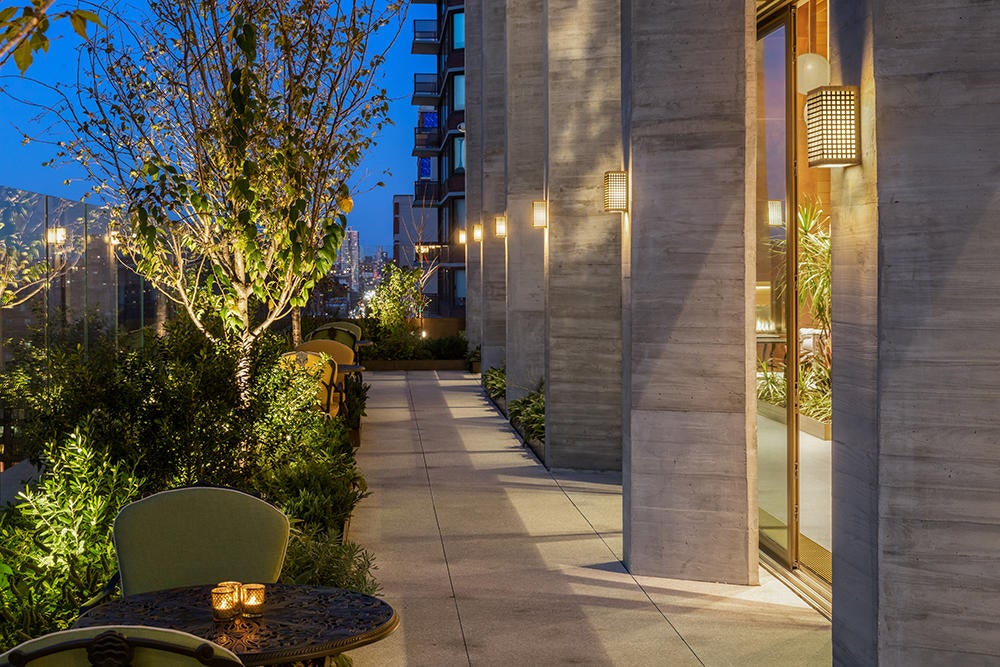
110	425
494	381
528	414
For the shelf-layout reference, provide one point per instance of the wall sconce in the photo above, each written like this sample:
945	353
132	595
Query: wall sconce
477	233
462	237
776	213
616	191
501	226
539	214
833	135
55	235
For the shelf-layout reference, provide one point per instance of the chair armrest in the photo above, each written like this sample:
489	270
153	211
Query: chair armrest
103	594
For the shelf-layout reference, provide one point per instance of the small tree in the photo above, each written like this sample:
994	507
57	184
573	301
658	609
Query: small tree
226	135
397	296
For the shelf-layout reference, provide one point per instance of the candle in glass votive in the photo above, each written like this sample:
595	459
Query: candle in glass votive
225	603
253	599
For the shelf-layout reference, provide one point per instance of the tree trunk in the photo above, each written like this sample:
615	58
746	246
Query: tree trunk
243	372
296	326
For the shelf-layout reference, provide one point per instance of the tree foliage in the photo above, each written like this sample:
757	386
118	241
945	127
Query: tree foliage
226	136
398	296
23	32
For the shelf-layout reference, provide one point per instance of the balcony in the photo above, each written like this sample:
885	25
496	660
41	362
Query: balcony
426	40
426	141
426	193
426	90
443	253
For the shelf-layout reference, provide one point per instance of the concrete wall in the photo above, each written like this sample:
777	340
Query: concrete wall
473	169
493	249
690	458
854	219
917	517
525	155
583	282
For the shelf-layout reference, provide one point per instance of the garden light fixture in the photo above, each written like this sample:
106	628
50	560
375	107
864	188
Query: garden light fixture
616	191
833	137
539	214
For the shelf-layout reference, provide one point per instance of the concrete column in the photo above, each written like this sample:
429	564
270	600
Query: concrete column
583	281
494	280
916	353
473	169
525	153
689	470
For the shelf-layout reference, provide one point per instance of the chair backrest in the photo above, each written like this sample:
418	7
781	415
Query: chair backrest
343	332
110	646
339	352
328	396
198	535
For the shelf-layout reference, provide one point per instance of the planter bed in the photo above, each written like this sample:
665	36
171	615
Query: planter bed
808	425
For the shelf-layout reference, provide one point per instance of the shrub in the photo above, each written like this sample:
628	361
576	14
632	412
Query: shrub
528	414
322	559
494	381
355	399
56	542
449	347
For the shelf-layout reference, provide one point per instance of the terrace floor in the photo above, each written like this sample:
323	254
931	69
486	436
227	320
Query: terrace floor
491	559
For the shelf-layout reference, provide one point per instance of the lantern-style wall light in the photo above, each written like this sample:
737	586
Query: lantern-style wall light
775	212
616	191
462	237
833	135
477	233
539	214
500	223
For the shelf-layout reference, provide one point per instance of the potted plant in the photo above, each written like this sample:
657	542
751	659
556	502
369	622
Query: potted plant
474	357
355	400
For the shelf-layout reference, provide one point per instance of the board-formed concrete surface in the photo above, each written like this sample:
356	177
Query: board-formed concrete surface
491	559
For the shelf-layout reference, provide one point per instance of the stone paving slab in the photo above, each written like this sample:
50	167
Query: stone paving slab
490	559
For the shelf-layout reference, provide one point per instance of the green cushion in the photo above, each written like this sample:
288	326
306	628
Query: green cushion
70	648
198	535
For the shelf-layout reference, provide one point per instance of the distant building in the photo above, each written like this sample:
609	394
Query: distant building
348	263
438	201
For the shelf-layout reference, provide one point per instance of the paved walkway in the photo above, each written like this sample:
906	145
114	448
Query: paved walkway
490	559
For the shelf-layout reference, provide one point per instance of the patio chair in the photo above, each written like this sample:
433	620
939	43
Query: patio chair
342	354
342	332
328	392
198	535
118	646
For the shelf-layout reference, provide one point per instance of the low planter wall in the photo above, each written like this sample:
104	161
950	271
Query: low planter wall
415	365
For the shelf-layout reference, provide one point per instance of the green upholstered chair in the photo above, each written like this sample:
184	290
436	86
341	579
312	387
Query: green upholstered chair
328	393
106	645
330	331
198	535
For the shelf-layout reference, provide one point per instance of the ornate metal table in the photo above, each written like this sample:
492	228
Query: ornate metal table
300	623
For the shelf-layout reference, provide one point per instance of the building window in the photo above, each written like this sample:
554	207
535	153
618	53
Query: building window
459	149
458	30
458	92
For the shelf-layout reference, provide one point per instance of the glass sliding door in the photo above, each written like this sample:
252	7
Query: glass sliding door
793	301
814	444
774	309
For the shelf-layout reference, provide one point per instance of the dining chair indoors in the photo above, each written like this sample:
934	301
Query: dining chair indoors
198	535
118	646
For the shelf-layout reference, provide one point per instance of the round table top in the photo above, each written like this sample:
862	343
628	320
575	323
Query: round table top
298	623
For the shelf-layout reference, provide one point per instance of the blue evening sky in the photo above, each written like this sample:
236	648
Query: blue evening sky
21	165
